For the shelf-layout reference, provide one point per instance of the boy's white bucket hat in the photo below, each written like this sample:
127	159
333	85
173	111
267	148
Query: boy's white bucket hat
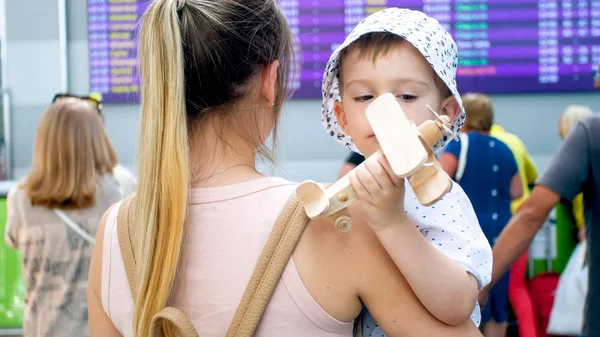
424	33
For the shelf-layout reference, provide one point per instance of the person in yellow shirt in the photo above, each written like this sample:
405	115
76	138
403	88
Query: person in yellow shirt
518	292
578	215
527	169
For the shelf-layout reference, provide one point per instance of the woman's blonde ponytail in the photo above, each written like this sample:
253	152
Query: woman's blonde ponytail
198	59
164	173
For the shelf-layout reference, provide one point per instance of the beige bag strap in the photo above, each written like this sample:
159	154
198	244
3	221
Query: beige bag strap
279	247
272	261
125	234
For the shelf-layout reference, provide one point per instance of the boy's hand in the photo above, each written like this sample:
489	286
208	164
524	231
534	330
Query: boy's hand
381	192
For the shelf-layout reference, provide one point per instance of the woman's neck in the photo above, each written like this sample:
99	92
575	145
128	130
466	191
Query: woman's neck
217	163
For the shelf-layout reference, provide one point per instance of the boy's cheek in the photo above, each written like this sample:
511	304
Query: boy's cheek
354	112
418	117
360	123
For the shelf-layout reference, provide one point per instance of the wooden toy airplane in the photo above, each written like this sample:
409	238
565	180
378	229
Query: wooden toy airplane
408	149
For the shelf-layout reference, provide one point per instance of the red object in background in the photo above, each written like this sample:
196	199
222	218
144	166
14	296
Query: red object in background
542	289
521	299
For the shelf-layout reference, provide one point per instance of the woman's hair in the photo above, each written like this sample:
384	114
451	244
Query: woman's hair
570	117
199	59
71	150
480	112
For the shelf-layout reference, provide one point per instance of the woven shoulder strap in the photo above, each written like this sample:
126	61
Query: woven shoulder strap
272	261
125	233
277	251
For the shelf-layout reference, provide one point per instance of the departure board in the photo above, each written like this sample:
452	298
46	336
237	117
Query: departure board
505	46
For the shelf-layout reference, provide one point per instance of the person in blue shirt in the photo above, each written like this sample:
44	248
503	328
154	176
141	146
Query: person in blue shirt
487	171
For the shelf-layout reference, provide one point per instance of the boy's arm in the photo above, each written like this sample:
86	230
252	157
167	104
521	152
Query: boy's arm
442	285
419	246
387	293
451	227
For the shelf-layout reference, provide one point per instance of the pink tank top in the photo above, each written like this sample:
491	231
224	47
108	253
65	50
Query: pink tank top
226	233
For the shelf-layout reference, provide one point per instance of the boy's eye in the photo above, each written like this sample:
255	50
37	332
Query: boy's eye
363	98
407	98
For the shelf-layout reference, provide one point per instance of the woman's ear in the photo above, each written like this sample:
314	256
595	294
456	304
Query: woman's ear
269	81
450	108
341	117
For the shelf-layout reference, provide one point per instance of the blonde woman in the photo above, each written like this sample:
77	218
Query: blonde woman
71	174
214	75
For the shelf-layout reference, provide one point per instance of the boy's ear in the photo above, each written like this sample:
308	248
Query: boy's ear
450	108
340	115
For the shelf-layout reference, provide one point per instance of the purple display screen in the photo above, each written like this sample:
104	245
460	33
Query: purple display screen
505	46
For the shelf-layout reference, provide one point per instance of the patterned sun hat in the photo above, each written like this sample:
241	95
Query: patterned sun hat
424	33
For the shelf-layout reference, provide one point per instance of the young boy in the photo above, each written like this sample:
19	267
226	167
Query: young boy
410	55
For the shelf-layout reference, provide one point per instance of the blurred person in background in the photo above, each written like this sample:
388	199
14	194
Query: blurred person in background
570	116
575	168
519	293
487	171
126	179
55	211
352	161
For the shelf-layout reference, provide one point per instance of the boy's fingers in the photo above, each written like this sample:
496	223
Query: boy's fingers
361	191
397	181
366	178
379	173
